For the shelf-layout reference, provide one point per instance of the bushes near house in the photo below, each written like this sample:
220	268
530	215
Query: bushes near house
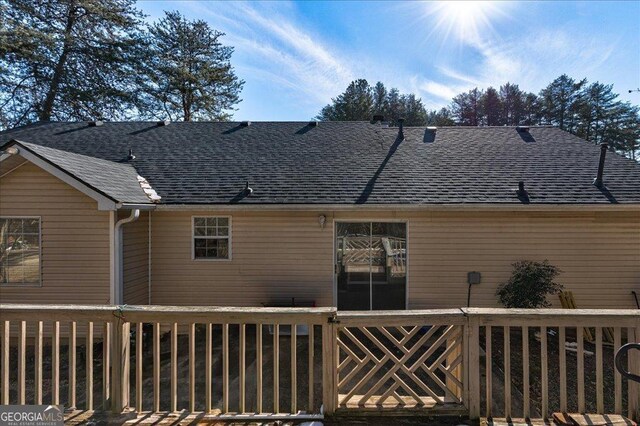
529	285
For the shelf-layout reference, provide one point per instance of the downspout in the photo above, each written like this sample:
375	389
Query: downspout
119	258
149	259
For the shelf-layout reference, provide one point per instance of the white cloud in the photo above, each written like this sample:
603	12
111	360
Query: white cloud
534	60
531	60
442	91
276	50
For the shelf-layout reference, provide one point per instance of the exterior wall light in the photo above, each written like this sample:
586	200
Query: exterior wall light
322	220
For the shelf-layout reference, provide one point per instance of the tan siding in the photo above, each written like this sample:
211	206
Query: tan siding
599	255
136	260
278	255
275	256
75	238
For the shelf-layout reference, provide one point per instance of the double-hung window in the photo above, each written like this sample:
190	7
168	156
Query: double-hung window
212	238
19	251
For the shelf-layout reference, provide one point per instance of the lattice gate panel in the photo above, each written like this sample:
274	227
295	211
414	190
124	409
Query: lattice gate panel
393	367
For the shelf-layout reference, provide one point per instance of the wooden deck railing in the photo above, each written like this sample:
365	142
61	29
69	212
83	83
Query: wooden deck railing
559	383
309	362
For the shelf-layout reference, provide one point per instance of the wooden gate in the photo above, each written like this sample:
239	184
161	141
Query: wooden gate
408	362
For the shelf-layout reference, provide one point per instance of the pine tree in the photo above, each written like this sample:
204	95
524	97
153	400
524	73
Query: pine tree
67	59
596	113
360	102
491	107
380	103
188	72
531	113
394	106
560	102
623	130
414	112
511	102
354	104
440	118
466	108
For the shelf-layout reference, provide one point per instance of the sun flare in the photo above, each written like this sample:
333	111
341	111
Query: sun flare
467	21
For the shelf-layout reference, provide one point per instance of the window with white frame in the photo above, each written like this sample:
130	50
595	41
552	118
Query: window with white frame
212	238
19	250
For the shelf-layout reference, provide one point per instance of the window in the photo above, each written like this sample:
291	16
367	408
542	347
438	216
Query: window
19	251
212	238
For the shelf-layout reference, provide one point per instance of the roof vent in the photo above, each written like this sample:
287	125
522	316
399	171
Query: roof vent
522	193
524	129
400	128
378	118
430	134
245	123
603	153
163	123
131	156
247	189
313	123
96	123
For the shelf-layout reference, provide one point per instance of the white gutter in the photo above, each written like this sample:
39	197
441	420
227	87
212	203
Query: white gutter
118	258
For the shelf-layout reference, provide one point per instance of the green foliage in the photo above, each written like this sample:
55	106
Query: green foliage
67	60
94	59
529	285
591	111
361	101
188	72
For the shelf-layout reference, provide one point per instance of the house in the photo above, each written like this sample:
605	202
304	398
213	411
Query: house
349	214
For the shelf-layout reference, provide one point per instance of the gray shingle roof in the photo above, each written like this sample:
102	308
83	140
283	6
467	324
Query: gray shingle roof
348	162
115	180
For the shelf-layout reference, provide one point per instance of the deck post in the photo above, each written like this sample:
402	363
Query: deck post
120	366
329	366
472	366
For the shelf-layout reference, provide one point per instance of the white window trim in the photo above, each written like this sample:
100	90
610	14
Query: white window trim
39	283
228	237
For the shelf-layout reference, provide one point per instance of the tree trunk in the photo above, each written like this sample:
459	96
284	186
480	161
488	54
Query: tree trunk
186	109
47	107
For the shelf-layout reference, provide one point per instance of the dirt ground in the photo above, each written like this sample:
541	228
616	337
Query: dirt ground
554	373
284	362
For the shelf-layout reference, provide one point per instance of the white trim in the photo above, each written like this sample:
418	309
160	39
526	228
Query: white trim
104	202
132	206
378	220
118	258
39	283
401	207
228	238
112	254
334	263
149	259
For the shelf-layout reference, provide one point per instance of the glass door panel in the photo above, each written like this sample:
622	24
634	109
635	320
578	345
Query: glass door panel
371	265
353	265
389	272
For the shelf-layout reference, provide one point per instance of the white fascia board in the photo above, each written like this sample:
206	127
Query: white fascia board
131	206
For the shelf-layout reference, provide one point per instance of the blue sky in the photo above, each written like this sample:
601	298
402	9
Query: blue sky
296	56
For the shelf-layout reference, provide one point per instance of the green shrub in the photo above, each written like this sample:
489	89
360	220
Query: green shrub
529	285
